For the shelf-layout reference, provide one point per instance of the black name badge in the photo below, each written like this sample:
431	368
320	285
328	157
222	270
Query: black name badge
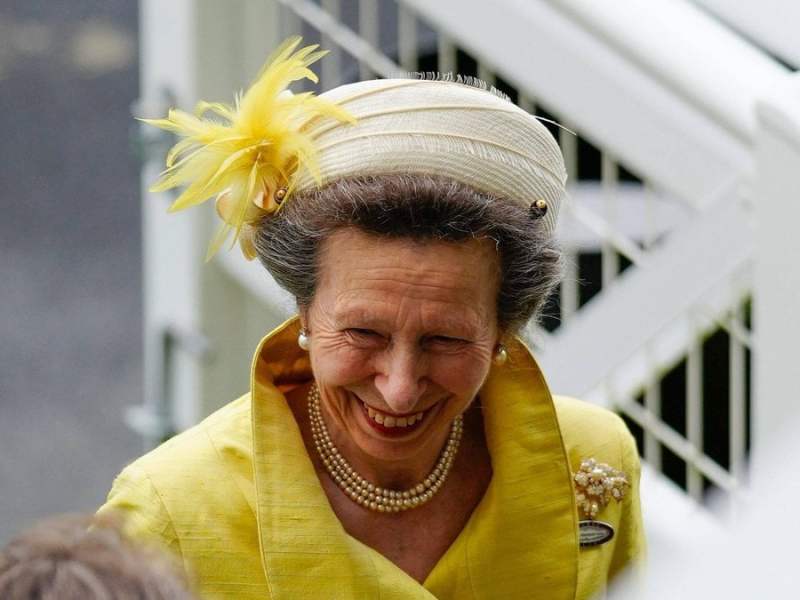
594	533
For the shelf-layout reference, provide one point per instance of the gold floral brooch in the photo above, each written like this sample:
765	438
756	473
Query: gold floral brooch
595	485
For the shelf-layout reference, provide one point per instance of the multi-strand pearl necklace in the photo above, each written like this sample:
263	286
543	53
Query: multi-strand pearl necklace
362	491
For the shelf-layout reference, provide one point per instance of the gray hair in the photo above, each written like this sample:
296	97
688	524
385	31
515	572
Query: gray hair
418	207
83	558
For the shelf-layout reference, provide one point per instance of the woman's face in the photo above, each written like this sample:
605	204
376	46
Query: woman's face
402	337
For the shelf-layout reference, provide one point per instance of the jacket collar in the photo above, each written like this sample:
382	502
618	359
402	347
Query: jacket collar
521	539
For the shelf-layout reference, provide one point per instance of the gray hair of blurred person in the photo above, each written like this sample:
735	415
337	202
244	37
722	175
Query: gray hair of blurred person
421	208
75	557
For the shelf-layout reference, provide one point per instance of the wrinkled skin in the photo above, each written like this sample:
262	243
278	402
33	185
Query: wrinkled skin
403	327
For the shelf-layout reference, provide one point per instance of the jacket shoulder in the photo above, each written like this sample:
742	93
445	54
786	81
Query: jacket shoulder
208	465
194	495
215	438
590	429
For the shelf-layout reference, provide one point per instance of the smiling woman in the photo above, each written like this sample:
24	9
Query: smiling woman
399	440
403	330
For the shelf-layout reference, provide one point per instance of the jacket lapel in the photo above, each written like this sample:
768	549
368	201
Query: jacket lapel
521	541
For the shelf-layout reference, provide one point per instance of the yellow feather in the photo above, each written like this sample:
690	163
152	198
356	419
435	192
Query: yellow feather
249	150
218	240
223	110
247	200
247	241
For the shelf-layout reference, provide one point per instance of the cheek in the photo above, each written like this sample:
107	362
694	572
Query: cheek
337	363
461	375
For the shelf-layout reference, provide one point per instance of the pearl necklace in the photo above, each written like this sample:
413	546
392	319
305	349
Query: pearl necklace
362	491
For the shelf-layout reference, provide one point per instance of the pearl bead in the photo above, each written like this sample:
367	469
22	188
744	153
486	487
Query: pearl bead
362	491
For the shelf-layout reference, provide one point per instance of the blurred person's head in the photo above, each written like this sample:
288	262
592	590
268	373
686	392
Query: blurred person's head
84	558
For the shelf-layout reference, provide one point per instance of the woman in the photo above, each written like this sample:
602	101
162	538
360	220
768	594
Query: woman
398	440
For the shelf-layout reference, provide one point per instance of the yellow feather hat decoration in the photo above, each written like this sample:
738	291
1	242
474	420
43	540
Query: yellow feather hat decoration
250	160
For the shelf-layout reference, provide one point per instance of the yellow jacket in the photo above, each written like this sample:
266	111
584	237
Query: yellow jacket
237	498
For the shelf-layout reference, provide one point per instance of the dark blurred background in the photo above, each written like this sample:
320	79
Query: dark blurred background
70	262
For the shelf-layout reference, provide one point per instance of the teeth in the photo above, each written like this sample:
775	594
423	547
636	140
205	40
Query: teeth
391	421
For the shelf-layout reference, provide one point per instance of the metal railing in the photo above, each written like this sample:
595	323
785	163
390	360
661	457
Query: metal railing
620	245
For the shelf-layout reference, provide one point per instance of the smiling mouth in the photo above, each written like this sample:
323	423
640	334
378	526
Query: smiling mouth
392	424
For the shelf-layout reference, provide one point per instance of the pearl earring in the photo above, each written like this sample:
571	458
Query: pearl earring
304	339
500	355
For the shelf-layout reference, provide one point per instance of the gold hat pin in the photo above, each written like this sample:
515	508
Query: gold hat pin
596	484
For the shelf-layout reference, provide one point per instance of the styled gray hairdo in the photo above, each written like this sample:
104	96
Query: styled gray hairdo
418	207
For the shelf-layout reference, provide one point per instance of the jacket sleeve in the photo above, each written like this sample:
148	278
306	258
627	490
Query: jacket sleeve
630	548
135	500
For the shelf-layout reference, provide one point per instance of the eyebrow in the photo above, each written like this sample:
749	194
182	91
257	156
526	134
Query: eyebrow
363	315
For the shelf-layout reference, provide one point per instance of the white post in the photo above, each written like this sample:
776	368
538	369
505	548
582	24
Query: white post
234	39
200	325
171	246
776	304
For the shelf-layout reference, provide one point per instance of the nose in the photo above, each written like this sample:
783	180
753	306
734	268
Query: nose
401	379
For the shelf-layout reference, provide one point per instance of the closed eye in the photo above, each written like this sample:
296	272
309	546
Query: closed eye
444	340
359	331
364	337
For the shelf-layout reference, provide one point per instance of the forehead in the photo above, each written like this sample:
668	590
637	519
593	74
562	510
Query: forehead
380	278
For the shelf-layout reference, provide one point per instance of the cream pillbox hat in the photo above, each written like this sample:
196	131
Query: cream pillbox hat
271	144
441	128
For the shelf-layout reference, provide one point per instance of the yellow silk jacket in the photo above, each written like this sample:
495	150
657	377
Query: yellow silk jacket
237	499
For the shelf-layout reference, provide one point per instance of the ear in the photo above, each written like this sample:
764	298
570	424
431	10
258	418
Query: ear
303	314
503	336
